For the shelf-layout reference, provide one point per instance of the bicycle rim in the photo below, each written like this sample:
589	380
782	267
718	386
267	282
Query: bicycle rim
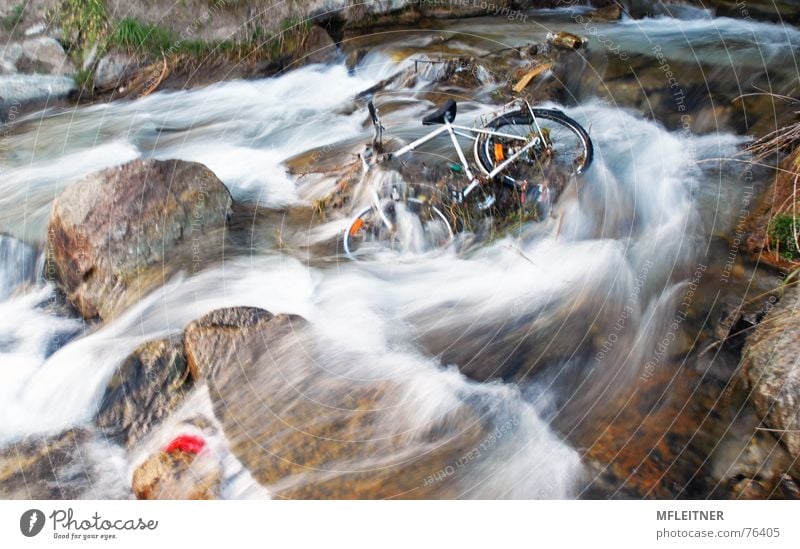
561	147
412	227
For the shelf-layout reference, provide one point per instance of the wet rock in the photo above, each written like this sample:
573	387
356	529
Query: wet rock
318	47
304	431
750	463
119	233
683	433
362	15
221	329
178	474
448	9
62	466
771	370
145	389
611	12
354	58
565	40
112	70
788	12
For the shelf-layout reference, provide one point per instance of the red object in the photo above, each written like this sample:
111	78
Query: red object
189	444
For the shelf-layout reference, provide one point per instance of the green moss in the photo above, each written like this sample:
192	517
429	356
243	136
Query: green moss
13	17
782	230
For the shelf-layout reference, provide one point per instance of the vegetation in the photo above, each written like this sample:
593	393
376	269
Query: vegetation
89	34
136	37
783	236
13	17
84	22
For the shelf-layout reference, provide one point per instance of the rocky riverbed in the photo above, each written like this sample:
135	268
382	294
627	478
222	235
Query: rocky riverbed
178	320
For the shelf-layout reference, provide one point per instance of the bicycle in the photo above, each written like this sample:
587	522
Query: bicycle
512	150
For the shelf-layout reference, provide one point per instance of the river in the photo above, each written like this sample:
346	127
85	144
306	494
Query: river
573	318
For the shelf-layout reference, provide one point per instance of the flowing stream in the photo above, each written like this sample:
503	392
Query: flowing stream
622	247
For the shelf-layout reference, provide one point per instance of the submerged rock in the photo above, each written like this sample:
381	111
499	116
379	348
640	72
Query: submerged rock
771	369
146	388
117	234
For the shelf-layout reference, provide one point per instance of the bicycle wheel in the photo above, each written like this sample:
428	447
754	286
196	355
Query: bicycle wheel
413	226
561	146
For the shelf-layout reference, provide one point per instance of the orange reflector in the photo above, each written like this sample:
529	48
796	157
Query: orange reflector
356	226
499	155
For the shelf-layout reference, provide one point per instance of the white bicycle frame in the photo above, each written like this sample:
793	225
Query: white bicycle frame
454	130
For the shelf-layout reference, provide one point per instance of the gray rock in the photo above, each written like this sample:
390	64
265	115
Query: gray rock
33	30
9	56
25	88
112	70
48	52
121	232
771	369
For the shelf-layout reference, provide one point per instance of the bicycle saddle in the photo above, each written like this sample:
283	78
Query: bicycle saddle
448	110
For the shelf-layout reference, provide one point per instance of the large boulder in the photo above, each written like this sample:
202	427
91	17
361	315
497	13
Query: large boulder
148	385
306	426
119	233
771	369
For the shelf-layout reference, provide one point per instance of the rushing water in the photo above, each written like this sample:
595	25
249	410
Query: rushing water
623	244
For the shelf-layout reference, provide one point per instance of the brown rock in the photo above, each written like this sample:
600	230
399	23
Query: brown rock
565	40
148	385
771	369
318	47
178	475
304	431
45	467
119	233
209	340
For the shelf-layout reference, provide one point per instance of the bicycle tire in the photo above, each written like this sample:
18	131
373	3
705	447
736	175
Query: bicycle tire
369	225
521	118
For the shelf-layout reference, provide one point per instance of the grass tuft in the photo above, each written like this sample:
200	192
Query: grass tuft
13	17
